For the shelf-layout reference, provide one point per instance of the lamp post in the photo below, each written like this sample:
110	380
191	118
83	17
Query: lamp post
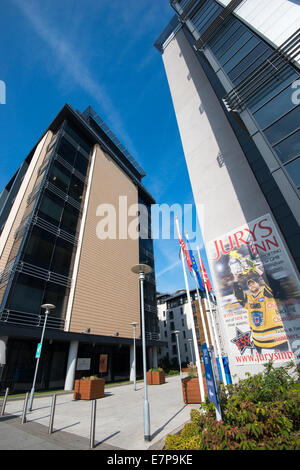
142	270
134	324
191	347
178	349
47	308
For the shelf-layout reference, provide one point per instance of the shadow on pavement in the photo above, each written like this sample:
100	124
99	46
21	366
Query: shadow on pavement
107	438
166	423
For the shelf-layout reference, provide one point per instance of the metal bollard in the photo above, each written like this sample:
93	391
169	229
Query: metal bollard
50	429
93	424
25	408
4	402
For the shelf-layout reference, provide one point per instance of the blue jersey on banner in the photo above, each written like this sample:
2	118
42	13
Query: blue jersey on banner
210	381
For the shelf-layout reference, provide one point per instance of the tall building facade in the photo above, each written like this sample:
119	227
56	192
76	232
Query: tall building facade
173	315
233	73
52	250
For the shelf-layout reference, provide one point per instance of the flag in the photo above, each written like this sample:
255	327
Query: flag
195	267
204	275
185	251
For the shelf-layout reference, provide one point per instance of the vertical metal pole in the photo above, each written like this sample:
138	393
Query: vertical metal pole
179	358
4	402
37	363
134	357
147	436
53	403
93	424
25	408
192	354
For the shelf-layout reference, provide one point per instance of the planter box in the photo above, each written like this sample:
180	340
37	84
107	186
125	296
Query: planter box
191	389
89	389
156	378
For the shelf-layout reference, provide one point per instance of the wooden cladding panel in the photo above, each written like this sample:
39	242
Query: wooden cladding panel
106	296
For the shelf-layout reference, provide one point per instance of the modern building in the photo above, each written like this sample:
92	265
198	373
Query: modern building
52	251
173	315
233	72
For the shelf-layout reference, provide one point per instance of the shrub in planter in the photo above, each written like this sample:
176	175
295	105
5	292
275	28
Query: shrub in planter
89	388
260	412
155	376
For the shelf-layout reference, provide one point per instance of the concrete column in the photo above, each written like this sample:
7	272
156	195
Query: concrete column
131	365
154	356
71	367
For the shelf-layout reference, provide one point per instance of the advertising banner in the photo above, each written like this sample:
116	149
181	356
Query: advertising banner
212	390
258	293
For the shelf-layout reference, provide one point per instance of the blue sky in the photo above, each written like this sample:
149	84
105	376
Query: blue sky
99	53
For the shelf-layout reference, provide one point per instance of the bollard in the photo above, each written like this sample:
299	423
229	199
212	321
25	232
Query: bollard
4	402
50	429
93	424
25	408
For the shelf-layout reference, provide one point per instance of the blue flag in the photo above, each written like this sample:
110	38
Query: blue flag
195	267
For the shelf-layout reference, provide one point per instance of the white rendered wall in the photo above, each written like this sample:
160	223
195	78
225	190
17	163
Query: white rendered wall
230	194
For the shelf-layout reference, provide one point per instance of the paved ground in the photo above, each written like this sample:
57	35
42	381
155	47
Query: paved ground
119	420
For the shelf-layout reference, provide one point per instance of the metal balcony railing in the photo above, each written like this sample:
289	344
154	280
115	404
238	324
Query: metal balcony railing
259	78
31	319
152	336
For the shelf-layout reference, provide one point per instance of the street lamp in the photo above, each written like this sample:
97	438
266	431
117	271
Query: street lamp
47	307
134	324
178	349
142	270
191	347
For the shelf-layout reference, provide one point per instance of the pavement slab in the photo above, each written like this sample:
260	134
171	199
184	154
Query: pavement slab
119	419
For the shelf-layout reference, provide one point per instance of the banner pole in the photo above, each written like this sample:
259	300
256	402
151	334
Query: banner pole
200	304
198	363
213	322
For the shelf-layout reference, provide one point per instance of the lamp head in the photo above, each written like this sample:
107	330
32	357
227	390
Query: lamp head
48	306
141	269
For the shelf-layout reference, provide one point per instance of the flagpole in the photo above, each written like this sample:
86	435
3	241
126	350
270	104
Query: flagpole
200	305
198	363
213	320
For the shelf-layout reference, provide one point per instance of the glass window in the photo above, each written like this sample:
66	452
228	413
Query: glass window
205	16
289	147
293	169
249	63
39	248
50	208
275	108
58	296
67	151
60	177
69	220
225	44
235	44
81	163
76	135
223	33
285	126
278	83
62	258
26	295
76	188
241	53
